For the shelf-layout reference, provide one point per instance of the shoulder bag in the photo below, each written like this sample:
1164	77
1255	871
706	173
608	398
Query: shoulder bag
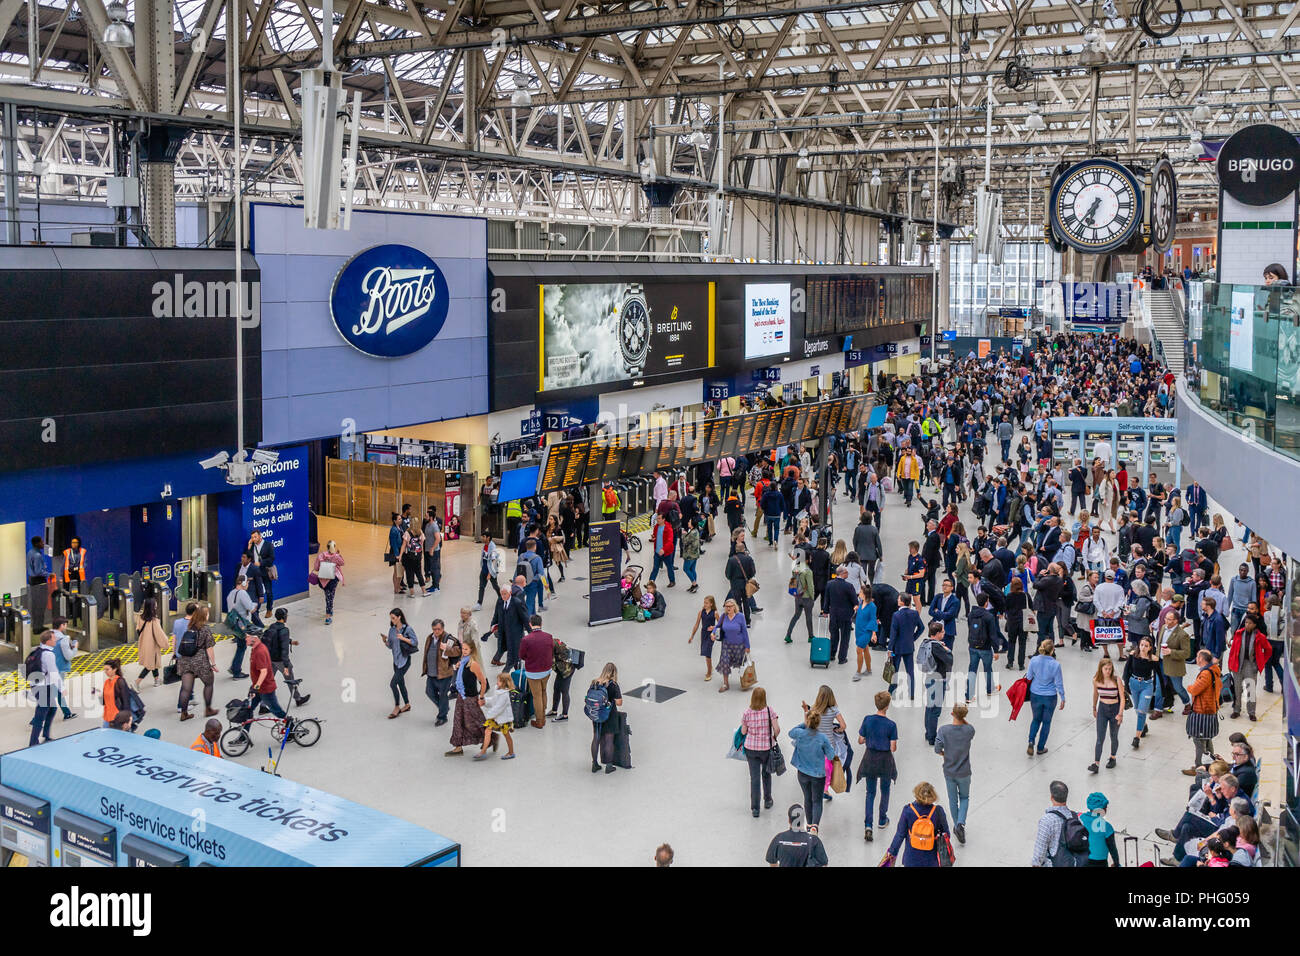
775	759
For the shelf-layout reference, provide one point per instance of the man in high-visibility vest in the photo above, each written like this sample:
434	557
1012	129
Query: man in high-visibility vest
909	470
609	502
74	562
206	742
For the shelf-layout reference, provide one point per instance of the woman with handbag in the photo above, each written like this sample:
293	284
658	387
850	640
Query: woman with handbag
832	726
760	725
153	641
924	827
811	751
733	635
328	571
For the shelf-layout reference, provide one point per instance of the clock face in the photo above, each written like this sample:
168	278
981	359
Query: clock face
1164	206
1096	206
634	331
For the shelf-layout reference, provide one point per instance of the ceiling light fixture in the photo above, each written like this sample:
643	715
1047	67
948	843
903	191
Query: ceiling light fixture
117	34
803	162
1034	121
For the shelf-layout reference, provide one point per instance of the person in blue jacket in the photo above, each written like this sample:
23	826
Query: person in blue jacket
944	608
1214	629
864	630
811	751
904	629
925	804
1046	687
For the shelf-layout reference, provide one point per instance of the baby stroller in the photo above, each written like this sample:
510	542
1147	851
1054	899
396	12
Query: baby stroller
631	591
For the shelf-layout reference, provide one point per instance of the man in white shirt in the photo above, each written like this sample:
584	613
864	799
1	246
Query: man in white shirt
1102	450
660	489
1109	598
46	686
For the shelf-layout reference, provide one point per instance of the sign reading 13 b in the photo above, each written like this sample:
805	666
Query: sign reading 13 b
389	301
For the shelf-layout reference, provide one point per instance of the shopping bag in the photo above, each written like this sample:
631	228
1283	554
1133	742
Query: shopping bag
838	783
748	677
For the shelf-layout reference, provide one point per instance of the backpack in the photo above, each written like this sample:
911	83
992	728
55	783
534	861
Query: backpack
921	836
189	645
562	665
611	499
32	665
596	704
925	656
1074	840
525	568
135	705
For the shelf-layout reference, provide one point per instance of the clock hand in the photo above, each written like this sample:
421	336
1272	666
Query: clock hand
1092	211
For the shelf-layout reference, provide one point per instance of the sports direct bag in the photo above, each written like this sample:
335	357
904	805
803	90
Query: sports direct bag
596	704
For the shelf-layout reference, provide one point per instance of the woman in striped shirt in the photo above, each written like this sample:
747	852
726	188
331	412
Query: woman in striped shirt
760	725
1107	710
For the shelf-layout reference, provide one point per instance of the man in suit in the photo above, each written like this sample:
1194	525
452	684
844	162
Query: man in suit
842	603
1006	557
263	579
993	578
1078	486
904	630
944	609
867	544
1195	501
932	554
510	624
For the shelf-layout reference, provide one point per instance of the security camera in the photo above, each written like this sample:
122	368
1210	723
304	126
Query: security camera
219	460
265	456
561	238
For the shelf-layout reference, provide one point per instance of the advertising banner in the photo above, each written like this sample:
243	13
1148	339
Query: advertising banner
276	505
604	592
1241	345
594	333
767	319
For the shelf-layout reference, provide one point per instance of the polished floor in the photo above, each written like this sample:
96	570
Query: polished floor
547	808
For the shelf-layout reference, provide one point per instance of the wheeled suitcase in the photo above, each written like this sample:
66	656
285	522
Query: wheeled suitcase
819	649
523	711
621	754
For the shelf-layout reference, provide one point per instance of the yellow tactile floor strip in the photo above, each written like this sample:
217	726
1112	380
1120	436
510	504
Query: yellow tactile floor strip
12	681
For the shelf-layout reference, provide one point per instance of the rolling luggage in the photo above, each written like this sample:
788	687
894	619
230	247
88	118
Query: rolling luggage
523	704
621	755
819	650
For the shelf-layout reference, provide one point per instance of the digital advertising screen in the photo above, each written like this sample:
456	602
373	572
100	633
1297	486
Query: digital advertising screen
767	319
594	333
518	483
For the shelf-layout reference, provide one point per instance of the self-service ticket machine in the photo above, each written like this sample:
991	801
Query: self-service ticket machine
1065	445
144	853
24	829
1090	441
1130	451
83	841
1163	456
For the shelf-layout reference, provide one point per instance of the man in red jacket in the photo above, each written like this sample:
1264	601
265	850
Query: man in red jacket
1248	655
662	536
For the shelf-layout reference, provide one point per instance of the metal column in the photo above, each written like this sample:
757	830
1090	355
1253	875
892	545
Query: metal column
9	137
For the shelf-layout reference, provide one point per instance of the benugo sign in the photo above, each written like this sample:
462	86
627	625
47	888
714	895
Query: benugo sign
1260	165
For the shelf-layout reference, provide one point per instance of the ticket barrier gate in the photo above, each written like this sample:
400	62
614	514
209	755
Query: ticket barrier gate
16	630
82	612
207	591
117	615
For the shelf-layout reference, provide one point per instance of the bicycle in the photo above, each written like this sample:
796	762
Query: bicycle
236	741
631	542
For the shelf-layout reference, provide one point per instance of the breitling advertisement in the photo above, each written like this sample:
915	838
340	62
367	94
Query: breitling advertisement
593	333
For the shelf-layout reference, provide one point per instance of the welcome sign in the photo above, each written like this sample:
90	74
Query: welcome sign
389	301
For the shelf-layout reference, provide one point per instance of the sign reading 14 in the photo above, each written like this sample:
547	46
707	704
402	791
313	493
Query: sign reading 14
1096	206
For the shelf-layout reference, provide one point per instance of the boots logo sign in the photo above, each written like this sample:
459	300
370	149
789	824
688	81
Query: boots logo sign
389	301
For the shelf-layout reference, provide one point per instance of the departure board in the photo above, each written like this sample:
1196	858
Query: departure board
614	456
787	435
729	443
772	432
690	446
577	462
800	424
745	439
819	426
861	412
631	463
835	421
557	462
713	430
597	451
762	422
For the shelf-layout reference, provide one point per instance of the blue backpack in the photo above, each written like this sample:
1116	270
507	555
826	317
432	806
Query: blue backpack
596	705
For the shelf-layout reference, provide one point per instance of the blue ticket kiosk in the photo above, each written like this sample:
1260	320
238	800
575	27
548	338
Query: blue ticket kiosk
108	798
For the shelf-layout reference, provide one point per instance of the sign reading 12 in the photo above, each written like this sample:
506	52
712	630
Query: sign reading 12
1096	206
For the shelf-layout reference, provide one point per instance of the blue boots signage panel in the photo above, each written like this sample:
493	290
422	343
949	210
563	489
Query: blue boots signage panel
389	301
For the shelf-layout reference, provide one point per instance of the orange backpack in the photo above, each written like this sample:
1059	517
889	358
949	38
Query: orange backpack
921	836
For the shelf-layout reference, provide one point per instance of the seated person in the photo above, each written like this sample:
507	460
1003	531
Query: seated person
1216	813
1241	764
652	602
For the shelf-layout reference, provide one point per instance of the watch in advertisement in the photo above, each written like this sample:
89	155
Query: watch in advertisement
634	329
